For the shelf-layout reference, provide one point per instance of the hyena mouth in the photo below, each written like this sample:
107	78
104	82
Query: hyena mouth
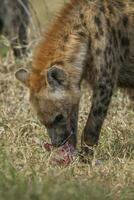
66	133
61	135
69	137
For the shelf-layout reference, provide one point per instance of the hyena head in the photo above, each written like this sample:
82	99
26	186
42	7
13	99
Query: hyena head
55	94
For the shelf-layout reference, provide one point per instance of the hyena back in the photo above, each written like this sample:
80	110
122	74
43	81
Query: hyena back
91	40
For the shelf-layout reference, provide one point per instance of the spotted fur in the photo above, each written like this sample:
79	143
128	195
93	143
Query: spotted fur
91	40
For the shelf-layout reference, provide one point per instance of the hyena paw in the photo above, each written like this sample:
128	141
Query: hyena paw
89	139
86	154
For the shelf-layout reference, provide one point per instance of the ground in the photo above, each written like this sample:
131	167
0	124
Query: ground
25	171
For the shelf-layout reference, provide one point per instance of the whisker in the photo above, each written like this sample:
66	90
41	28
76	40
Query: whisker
67	138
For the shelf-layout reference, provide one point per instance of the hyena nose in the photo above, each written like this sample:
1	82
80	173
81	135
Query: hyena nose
57	135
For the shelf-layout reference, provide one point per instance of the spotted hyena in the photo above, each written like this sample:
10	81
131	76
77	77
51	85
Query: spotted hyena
14	21
91	40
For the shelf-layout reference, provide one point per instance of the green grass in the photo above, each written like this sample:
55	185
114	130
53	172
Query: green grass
4	46
25	170
19	185
31	183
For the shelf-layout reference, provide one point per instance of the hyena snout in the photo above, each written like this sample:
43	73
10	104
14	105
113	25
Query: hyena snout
57	129
58	135
63	129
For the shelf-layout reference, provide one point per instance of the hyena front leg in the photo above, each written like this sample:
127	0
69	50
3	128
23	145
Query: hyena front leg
102	93
73	125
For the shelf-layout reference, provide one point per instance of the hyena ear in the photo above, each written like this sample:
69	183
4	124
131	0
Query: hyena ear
56	77
23	76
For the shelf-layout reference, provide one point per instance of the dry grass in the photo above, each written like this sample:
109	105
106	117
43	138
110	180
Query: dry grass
25	172
24	162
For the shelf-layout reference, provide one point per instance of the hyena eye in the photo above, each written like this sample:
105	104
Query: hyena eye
59	119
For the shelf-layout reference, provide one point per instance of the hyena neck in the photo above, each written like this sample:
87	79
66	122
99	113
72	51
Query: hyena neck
67	42
76	58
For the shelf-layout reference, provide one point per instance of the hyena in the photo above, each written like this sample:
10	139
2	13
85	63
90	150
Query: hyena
14	21
90	40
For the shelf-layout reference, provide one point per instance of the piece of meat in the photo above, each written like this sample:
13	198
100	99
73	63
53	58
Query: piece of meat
48	147
61	156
